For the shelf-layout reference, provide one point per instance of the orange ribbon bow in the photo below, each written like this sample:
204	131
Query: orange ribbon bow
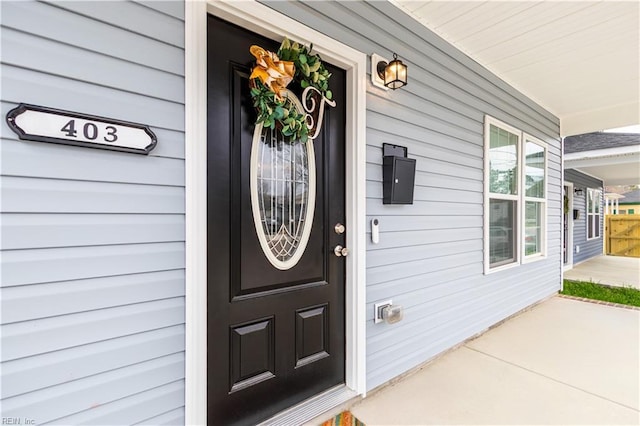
271	71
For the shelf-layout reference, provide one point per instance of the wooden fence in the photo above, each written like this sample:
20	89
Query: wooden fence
623	235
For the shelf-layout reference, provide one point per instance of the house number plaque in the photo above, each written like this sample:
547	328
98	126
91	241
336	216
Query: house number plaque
42	124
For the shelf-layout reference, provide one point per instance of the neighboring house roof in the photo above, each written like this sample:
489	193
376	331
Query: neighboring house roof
599	140
612	157
632	197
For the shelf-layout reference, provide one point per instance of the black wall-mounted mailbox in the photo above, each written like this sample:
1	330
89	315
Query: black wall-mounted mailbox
398	175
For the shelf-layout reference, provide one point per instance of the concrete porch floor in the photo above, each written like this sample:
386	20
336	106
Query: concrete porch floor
562	362
610	270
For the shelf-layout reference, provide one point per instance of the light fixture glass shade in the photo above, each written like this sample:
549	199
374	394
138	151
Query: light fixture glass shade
395	73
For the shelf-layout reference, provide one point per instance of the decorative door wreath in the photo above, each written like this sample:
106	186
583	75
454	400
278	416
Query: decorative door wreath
269	80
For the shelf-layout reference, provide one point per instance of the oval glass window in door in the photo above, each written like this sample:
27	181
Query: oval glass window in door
283	182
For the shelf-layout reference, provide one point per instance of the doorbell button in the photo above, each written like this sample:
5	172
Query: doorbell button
375	231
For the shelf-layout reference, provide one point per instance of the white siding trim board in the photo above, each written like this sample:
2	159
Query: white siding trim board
196	216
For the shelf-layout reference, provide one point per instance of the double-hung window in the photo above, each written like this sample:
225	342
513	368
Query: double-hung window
535	197
594	198
515	196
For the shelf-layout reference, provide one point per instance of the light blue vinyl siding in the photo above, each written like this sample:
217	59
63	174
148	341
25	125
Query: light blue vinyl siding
430	257
92	289
588	248
92	316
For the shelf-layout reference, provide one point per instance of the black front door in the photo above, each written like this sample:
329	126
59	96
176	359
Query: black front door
276	305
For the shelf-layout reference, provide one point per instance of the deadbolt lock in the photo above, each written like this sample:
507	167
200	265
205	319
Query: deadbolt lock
340	251
339	228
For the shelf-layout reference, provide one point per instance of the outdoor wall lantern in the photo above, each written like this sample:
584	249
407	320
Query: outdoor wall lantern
388	74
578	192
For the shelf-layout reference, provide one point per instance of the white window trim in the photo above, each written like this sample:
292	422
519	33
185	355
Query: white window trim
266	21
589	214
521	199
543	253
487	131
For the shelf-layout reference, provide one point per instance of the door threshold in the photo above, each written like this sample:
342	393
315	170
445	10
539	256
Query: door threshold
312	407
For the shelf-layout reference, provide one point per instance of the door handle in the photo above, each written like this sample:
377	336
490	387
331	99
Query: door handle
340	251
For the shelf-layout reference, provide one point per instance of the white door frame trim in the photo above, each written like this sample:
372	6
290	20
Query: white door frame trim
263	20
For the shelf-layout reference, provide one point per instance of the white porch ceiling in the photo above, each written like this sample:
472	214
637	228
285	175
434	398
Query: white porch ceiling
615	166
626	175
579	60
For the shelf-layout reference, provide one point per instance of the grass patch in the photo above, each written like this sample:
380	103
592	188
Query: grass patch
589	290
